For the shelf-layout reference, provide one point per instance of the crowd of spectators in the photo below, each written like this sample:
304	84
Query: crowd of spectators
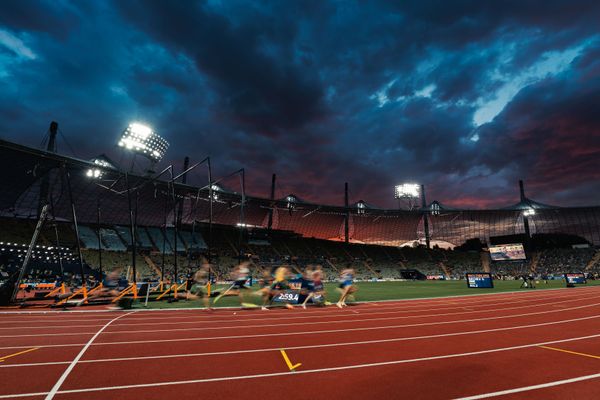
371	262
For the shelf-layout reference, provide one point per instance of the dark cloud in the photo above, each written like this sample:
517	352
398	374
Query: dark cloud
50	17
322	92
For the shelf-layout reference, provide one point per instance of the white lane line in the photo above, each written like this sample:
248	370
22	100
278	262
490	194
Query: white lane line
329	322
532	387
527	296
336	344
331	313
193	339
300	372
508	293
73	363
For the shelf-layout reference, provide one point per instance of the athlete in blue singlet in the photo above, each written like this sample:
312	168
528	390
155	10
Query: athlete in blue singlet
346	286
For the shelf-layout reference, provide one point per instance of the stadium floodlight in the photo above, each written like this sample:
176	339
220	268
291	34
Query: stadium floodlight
94	173
97	173
407	190
529	212
291	201
360	207
215	189
143	140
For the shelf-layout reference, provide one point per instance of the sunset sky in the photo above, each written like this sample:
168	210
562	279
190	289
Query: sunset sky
465	97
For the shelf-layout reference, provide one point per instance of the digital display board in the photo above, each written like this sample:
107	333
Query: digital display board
480	280
507	252
292	295
575	278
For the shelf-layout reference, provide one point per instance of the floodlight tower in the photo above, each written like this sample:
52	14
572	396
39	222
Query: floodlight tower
141	139
407	193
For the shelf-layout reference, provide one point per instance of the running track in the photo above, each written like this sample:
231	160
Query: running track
526	345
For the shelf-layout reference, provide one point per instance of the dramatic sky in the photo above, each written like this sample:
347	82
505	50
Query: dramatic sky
465	97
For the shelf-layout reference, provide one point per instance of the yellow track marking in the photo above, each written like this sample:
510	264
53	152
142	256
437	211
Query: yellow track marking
571	352
2	358
288	362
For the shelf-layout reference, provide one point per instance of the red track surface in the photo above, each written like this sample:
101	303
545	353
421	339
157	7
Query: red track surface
461	347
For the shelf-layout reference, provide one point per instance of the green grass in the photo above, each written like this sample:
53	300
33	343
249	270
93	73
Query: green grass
376	291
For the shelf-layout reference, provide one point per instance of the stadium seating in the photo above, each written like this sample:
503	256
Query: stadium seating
111	240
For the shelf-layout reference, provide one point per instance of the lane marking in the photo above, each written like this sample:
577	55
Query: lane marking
532	387
508	293
289	364
330	322
571	352
332	312
337	344
2	358
184	314
309	332
330	369
66	373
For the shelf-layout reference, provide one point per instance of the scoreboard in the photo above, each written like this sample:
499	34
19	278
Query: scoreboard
480	280
507	252
575	278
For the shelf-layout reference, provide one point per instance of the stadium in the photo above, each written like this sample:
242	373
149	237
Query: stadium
70	224
299	200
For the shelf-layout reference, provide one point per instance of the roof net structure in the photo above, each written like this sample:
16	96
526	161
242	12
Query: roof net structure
28	175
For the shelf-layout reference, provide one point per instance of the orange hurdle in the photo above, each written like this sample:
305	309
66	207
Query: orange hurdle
61	289
130	289
82	291
97	288
174	288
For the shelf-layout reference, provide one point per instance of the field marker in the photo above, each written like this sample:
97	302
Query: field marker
570	352
288	362
2	358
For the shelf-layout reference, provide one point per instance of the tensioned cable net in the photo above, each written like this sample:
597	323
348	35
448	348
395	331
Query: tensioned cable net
27	174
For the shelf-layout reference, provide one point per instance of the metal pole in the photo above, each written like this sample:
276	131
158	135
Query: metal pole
270	222
38	228
60	254
242	221
131	228
74	216
174	247
59	250
425	217
99	237
210	212
347	216
45	183
164	244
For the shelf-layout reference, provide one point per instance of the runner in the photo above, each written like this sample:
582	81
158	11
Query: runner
280	284
347	286
265	282
317	290
198	282
240	275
